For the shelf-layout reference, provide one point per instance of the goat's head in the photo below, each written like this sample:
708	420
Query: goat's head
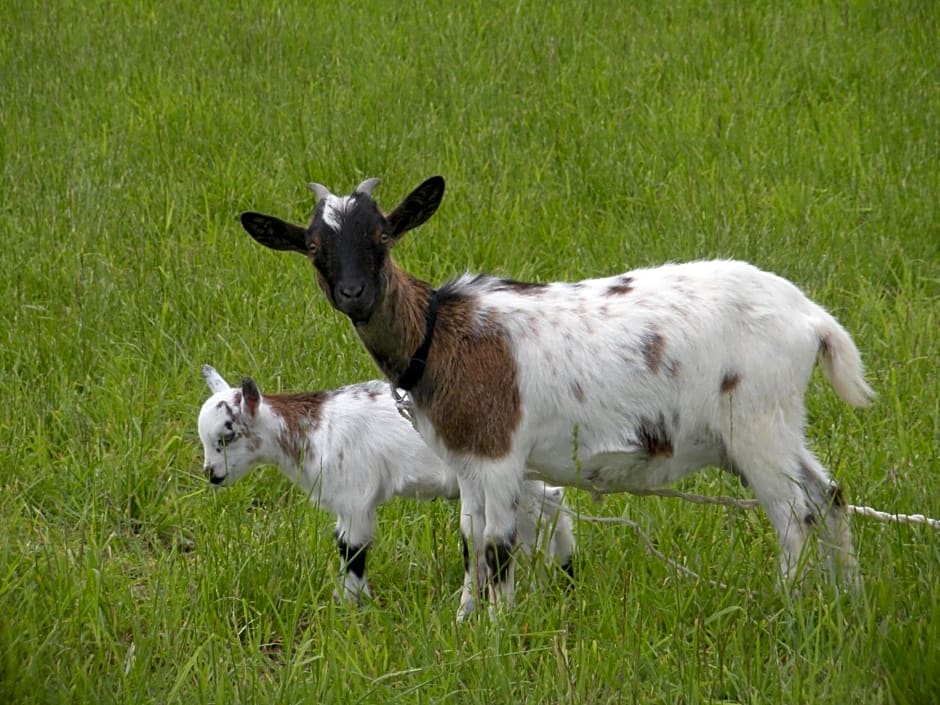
227	423
349	239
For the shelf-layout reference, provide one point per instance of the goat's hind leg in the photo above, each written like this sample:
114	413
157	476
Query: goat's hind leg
769	462
831	513
798	497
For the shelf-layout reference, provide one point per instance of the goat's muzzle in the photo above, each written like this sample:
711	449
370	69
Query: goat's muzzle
356	300
213	478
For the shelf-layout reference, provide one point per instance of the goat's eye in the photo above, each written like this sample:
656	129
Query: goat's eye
226	438
228	435
385	238
312	249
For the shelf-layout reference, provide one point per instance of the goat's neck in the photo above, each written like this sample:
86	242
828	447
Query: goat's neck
396	328
276	444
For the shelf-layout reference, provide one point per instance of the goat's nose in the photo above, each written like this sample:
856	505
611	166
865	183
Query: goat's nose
210	474
351	291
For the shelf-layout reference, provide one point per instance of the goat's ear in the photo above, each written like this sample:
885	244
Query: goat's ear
418	206
275	233
214	380
250	396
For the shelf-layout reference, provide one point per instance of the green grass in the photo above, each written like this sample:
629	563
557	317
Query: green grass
578	139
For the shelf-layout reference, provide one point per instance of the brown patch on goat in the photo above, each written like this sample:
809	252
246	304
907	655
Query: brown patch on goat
729	382
653	436
469	389
623	286
301	413
653	346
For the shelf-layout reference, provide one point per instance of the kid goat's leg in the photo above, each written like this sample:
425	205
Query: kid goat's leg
544	524
563	542
353	536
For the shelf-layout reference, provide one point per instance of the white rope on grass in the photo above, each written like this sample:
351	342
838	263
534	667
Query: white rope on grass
746	504
894	518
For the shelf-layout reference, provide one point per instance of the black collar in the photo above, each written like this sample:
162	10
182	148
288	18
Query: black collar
419	360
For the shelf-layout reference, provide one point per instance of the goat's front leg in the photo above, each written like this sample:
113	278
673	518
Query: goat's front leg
502	484
472	524
353	537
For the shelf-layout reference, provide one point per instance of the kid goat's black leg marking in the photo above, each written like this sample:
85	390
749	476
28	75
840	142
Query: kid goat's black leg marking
354	557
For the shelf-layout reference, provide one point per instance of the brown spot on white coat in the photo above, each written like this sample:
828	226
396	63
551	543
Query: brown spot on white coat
578	391
300	413
729	382
654	347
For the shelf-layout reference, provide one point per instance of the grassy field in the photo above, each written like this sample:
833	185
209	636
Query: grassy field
578	139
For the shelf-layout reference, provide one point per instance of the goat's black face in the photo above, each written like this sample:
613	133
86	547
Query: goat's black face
348	241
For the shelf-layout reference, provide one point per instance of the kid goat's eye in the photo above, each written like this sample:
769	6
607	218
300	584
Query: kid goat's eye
226	438
385	238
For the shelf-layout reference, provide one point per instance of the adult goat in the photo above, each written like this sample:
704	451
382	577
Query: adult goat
657	372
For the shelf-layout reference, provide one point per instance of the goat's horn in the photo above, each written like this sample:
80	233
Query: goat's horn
319	190
365	188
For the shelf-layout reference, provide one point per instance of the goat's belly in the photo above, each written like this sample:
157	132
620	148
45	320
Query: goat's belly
623	470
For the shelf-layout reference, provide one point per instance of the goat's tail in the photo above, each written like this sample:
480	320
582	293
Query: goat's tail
842	362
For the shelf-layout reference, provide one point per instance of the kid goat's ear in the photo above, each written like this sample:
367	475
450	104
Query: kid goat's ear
275	233
214	379
418	206
250	396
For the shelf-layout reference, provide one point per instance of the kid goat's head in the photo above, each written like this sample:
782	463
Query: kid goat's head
349	239
227	423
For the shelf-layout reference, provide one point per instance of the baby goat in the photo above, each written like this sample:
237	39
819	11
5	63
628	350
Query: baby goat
655	373
349	450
